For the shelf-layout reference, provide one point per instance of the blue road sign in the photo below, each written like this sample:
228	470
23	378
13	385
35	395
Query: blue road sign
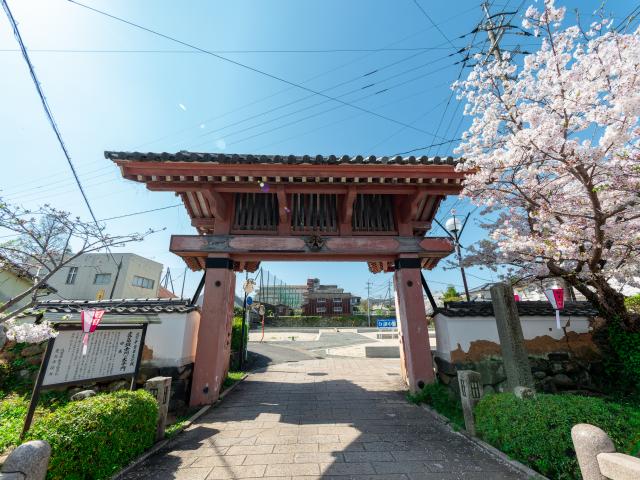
249	300
387	323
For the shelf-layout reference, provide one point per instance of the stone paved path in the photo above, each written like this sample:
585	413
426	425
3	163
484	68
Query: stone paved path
329	418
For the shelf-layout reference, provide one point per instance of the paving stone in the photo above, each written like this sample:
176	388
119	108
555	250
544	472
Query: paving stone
273	458
217	461
237	471
294	469
252	450
352	423
347	468
318	457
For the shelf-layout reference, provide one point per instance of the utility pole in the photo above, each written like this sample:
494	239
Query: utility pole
459	254
369	303
490	28
184	277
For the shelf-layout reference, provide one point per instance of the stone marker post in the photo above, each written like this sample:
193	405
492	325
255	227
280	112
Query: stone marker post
514	355
160	388
470	394
28	461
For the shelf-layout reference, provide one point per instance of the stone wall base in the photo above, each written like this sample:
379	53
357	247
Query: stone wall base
553	372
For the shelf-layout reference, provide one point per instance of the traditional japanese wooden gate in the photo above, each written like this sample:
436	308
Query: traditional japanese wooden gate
249	208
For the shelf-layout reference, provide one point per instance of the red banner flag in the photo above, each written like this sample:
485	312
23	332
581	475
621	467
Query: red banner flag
90	320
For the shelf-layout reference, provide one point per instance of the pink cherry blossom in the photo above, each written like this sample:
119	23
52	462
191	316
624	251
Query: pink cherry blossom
553	153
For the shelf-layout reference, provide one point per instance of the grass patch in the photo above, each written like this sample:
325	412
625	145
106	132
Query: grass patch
537	432
232	379
442	400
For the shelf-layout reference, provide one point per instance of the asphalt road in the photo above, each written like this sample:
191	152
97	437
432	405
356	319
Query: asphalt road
272	353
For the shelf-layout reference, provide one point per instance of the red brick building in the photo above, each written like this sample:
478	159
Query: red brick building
327	300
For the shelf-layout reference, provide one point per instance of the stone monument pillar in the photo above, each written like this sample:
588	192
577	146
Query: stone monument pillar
470	394
160	388
514	355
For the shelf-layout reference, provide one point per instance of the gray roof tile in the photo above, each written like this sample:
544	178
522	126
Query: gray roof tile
120	306
224	158
485	309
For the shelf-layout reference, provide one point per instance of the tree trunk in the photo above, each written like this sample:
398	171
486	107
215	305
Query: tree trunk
609	302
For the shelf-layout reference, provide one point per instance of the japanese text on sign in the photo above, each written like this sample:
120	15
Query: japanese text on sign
113	352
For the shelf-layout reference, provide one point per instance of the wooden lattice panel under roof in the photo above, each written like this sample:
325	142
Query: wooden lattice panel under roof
409	188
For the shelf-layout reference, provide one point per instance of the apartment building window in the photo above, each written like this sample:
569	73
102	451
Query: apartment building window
321	309
142	282
71	275
337	309
102	279
321	300
337	300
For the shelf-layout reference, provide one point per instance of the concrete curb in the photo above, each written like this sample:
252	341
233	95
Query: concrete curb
163	443
494	452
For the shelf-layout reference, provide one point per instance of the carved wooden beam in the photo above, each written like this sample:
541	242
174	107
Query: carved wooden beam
347	206
217	203
282	204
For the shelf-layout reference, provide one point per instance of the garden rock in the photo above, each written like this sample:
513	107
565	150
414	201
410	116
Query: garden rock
118	385
558	356
36	360
3	337
31	350
82	395
524	393
563	381
539	375
30	459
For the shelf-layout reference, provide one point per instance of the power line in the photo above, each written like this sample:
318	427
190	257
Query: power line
424	12
326	72
431	72
50	118
335	122
141	212
328	50
359	77
245	66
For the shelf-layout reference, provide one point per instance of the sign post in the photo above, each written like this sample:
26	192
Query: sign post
116	352
387	323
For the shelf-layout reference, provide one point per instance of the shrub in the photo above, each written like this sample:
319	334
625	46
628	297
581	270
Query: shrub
622	363
633	303
12	413
236	334
442	400
94	438
537	432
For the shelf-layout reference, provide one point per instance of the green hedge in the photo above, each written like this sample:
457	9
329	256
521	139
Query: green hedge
94	438
537	432
236	334
317	321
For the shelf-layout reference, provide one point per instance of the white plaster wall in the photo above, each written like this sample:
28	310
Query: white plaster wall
173	340
451	331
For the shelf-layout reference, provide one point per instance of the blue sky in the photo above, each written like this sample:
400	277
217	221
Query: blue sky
113	87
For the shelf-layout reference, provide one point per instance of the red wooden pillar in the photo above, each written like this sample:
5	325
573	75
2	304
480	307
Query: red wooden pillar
214	333
415	350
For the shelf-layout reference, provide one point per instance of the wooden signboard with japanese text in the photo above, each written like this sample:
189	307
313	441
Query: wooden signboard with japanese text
112	353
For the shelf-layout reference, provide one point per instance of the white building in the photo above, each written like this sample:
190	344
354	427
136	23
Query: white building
95	276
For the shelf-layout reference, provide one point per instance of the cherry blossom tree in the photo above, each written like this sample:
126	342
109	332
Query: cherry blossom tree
553	153
39	243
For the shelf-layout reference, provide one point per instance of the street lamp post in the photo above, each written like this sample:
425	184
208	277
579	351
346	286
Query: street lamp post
455	227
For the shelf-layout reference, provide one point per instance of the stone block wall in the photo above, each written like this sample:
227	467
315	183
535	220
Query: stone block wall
553	372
